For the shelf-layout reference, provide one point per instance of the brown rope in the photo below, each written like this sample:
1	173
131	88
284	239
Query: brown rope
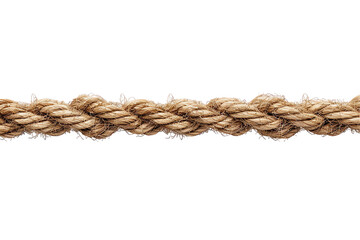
94	117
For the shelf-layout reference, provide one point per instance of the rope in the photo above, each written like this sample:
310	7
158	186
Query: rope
95	117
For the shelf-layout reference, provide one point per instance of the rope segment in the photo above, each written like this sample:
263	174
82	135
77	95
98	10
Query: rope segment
95	117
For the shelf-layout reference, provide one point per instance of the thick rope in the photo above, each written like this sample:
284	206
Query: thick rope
95	117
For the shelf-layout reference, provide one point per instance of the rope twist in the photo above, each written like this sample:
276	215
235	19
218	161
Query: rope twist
95	117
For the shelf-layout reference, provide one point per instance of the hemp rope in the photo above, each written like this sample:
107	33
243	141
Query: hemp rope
95	117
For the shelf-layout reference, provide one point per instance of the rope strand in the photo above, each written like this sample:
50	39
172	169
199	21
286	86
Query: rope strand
95	117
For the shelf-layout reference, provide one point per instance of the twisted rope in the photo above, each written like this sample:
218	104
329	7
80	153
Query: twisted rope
95	117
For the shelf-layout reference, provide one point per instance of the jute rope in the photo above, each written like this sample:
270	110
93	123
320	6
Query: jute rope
95	117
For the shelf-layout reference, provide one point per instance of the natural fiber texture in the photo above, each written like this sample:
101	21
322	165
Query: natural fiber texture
95	117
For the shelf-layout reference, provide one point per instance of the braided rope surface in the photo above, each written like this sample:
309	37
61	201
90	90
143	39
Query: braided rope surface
95	117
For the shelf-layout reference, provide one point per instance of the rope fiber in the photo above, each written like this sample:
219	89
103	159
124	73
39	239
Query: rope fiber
269	115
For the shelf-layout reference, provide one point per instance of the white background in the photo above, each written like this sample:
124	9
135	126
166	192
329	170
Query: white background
204	187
